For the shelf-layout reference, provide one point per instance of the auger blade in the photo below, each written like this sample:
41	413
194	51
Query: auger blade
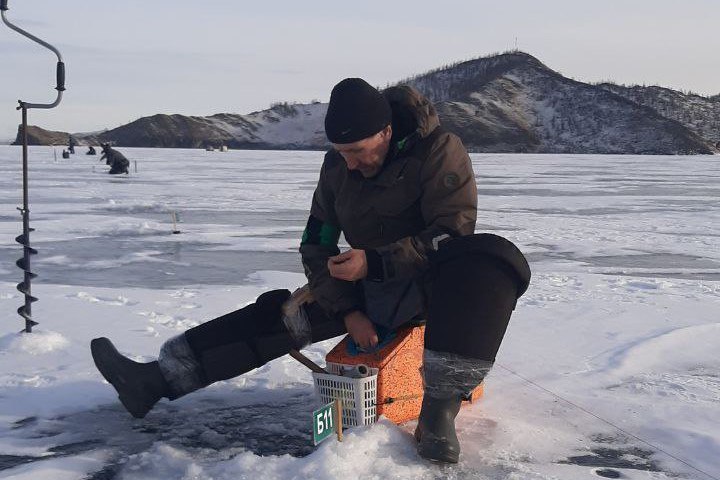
24	289
21	265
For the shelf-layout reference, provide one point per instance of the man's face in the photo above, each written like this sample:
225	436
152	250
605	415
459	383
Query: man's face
366	155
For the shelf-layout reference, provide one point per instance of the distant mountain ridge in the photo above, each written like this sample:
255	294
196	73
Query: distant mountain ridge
509	102
699	114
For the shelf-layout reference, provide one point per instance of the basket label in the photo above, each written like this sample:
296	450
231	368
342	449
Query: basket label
323	422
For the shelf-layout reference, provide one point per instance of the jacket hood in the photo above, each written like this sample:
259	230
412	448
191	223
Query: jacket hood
411	112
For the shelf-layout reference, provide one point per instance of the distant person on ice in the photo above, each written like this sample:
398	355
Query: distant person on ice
71	144
402	190
106	153
117	161
91	151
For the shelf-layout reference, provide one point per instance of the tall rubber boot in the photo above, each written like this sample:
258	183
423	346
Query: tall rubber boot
435	432
139	385
476	281
448	379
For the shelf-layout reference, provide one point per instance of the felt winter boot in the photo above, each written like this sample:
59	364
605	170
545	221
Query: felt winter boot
219	349
216	350
139	385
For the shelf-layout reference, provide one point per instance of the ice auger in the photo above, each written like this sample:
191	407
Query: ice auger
24	287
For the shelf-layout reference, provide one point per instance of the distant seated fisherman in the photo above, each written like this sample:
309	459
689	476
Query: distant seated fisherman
402	190
91	151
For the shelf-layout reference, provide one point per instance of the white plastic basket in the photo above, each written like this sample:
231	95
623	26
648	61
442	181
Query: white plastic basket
358	395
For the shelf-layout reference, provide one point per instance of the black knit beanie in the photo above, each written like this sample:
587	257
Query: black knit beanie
356	111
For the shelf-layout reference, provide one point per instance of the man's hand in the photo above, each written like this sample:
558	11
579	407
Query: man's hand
361	330
350	265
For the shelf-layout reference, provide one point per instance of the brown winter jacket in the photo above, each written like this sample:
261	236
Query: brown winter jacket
424	193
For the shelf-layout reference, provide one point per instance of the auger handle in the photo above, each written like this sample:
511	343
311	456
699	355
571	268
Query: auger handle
60	76
60	70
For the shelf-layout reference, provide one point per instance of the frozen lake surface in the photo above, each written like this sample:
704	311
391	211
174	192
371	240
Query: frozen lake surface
621	320
243	211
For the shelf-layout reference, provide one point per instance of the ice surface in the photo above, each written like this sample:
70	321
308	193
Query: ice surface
621	320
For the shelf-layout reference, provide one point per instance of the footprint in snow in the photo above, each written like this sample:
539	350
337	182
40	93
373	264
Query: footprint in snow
183	294
119	300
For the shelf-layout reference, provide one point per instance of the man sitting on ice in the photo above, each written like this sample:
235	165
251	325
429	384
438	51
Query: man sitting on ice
402	190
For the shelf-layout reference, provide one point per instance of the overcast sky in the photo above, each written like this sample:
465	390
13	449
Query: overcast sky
133	58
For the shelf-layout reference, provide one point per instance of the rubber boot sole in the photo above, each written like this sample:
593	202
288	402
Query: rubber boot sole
435	451
435	432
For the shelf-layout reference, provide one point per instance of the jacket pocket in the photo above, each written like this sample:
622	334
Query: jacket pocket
398	198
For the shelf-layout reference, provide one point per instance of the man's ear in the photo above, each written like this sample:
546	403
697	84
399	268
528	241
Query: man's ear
387	131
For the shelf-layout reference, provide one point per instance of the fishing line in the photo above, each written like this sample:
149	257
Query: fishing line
608	422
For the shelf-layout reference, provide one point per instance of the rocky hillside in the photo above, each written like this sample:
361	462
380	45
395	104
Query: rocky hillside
699	114
40	136
502	103
512	102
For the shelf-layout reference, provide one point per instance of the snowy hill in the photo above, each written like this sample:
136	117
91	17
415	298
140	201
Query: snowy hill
503	103
283	126
512	102
699	114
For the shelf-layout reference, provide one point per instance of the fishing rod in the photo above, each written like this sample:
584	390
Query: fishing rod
24	287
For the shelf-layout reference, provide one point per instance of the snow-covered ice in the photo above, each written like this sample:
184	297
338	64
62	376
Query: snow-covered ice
609	366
